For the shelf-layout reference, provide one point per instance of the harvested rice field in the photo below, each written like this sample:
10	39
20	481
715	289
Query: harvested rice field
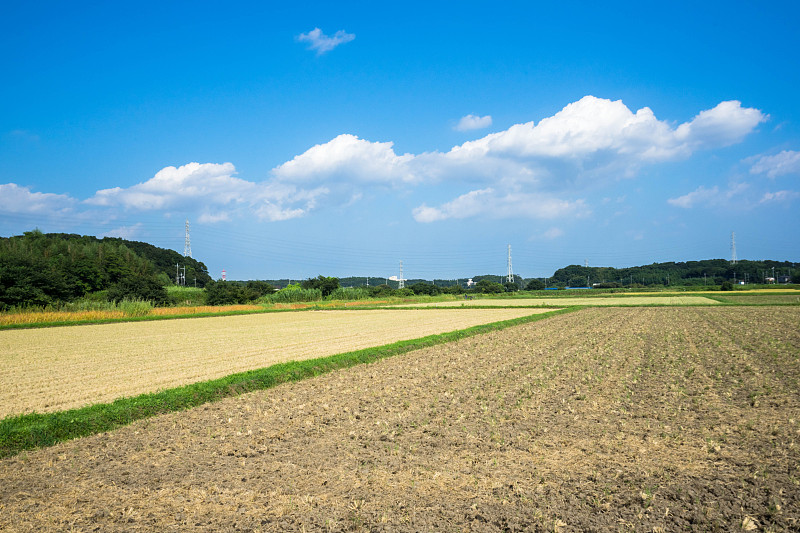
60	368
567	301
605	419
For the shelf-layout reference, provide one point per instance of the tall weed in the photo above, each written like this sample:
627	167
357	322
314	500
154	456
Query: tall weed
287	296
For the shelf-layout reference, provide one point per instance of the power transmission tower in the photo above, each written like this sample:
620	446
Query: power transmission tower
400	281
733	248
510	276
187	244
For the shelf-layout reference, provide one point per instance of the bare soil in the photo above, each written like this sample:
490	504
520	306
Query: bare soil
607	419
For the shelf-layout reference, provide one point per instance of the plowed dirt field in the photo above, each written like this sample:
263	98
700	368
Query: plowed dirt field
606	419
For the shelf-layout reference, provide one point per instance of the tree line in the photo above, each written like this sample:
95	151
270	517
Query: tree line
706	272
38	269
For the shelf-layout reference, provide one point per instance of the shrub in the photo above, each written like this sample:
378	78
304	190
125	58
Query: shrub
535	285
138	288
185	295
350	293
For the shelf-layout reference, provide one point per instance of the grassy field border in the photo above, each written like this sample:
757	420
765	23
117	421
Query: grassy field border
36	430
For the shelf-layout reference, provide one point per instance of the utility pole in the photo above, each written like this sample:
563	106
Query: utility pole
733	248
177	274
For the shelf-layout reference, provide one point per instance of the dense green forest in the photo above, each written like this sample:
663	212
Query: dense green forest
41	269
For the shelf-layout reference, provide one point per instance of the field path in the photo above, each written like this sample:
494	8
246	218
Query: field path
53	369
606	419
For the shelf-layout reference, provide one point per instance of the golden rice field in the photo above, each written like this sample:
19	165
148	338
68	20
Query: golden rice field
597	300
53	369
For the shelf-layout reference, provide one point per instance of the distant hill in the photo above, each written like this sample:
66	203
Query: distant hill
41	269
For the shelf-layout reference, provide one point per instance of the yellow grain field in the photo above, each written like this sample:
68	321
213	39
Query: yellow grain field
61	368
563	302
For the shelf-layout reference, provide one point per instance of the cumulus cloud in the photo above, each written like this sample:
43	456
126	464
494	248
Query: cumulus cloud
214	187
172	187
786	162
350	158
473	122
530	170
586	144
595	125
590	140
490	203
323	43
17	199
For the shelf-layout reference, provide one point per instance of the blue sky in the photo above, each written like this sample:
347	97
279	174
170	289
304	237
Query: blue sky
341	138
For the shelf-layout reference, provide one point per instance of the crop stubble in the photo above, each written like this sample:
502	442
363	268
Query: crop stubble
653	419
60	368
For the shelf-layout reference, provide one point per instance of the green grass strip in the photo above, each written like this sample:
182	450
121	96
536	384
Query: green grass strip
38	430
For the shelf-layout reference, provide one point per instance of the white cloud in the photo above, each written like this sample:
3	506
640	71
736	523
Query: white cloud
348	158
214	188
473	122
786	162
529	170
594	125
699	195
726	124
708	197
213	218
491	204
172	187
779	196
553	233
16	199
587	143
323	43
